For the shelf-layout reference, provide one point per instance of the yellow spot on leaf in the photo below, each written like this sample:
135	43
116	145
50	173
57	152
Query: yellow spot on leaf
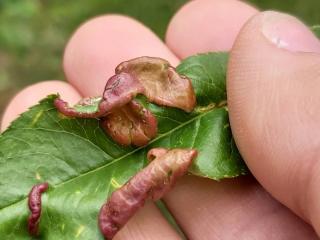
205	108
79	231
78	192
62	226
115	184
222	103
36	118
61	116
38	176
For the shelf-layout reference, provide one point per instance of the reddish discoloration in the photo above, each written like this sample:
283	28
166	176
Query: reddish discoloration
152	77
34	203
124	119
153	182
120	90
162	84
156	153
66	110
131	125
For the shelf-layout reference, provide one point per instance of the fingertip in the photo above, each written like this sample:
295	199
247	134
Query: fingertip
207	25
273	100
100	44
33	94
234	204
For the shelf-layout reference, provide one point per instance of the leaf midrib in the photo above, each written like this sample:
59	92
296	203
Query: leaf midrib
115	160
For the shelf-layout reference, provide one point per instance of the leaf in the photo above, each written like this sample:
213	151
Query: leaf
316	30
152	182
90	106
208	75
83	165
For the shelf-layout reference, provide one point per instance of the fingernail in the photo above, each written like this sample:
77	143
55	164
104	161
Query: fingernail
289	33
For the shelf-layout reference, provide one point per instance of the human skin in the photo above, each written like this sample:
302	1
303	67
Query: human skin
273	96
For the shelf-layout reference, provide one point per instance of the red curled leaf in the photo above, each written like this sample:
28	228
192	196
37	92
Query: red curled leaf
86	108
120	90
163	85
131	124
34	203
125	120
153	77
153	181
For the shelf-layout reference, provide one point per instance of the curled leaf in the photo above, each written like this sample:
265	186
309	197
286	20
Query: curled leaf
153	181
124	119
120	89
162	84
86	108
34	203
131	124
153	77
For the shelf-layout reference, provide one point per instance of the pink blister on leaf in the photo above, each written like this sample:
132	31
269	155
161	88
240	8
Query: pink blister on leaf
154	181
162	84
153	77
34	203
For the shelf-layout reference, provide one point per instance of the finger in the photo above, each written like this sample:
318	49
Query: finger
138	228
100	44
206	196
32	95
273	95
148	223
207	25
232	209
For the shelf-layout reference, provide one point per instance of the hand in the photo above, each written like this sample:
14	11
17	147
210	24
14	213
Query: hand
274	100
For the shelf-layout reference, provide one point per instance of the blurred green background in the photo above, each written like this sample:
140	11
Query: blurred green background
33	32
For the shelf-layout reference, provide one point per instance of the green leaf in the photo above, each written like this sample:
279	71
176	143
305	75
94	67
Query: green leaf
208	75
91	105
316	30
84	166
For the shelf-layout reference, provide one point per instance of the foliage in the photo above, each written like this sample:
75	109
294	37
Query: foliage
83	165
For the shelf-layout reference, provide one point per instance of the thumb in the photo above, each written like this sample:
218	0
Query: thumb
274	103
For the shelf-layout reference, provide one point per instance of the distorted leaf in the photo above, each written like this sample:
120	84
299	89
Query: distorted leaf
162	84
84	166
34	203
132	124
153	182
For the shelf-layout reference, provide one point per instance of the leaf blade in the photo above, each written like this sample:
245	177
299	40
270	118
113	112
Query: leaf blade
93	165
